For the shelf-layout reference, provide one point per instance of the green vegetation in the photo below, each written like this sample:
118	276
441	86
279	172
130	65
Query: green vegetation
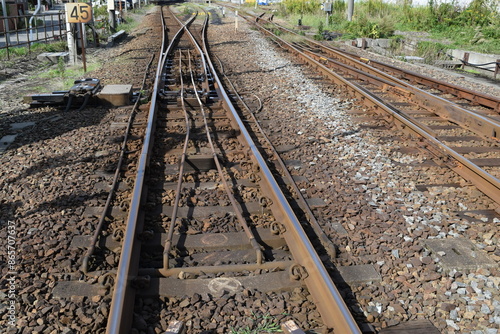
475	26
36	47
67	74
143	9
292	38
431	50
101	21
262	324
128	24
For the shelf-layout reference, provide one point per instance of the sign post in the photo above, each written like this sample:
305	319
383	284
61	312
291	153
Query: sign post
78	12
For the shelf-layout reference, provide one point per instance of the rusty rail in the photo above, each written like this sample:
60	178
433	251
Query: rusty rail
331	306
306	267
354	60
483	180
120	315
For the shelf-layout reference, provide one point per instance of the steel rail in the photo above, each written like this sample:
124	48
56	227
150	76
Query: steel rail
460	92
327	243
116	177
249	233
472	120
484	181
331	306
478	123
122	302
168	243
253	241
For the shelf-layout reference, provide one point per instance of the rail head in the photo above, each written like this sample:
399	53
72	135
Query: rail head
484	181
332	307
118	319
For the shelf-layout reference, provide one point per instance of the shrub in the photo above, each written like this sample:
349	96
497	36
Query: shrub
300	6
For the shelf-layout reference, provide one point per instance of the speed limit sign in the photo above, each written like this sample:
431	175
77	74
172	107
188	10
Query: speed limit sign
78	12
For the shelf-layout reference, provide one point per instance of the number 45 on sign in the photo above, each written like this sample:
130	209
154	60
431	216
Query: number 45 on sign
78	12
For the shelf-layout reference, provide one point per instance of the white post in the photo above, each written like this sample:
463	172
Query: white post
71	41
350	9
236	21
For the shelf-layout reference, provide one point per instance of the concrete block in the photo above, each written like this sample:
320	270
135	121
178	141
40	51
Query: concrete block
116	37
6	141
68	289
448	64
477	58
357	274
359	42
53	56
116	95
383	42
22	125
316	202
459	254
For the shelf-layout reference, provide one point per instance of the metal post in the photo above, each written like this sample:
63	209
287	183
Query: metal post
82	40
350	9
236	21
16	27
6	24
45	27
71	43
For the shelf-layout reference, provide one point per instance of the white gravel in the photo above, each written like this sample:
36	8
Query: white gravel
370	188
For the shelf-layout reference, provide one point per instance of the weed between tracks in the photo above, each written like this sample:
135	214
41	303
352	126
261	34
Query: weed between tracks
262	324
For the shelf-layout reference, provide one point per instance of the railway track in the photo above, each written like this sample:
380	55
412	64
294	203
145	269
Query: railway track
397	251
207	217
464	139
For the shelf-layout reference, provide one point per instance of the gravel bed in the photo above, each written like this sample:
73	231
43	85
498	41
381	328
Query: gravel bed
59	165
354	169
49	176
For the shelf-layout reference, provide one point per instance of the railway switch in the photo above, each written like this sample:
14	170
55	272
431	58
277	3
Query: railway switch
82	93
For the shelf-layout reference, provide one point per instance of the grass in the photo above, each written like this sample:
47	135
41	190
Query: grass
143	9
264	324
35	48
292	38
128	25
475	27
67	74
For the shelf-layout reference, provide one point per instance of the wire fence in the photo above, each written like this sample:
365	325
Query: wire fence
24	30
